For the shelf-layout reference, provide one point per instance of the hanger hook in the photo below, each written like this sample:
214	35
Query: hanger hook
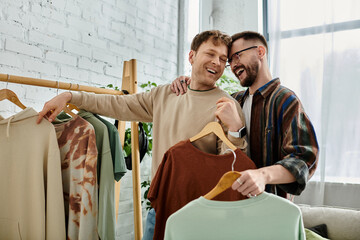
57	90
70	87
232	165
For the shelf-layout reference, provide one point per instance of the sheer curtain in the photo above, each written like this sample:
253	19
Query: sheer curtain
315	50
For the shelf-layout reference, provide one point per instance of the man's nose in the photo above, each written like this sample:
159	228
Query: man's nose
216	61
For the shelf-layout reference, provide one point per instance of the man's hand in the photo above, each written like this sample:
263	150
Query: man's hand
53	107
228	114
250	183
179	85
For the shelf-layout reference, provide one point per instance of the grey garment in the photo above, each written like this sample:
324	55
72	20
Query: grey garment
106	216
116	150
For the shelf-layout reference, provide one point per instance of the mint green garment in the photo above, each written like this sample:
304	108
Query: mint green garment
118	160
263	217
106	216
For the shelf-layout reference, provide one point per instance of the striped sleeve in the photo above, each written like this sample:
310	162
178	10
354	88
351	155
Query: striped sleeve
298	146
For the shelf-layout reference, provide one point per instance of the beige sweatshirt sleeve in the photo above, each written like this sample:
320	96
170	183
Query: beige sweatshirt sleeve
134	107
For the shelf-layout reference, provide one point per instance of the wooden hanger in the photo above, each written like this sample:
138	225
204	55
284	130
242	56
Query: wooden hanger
224	183
11	96
214	127
72	107
68	111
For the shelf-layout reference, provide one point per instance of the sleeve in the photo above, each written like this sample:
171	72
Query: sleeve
238	142
55	213
106	214
299	147
119	161
302	235
134	107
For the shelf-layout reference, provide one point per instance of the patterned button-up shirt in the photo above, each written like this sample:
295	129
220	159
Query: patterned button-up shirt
281	133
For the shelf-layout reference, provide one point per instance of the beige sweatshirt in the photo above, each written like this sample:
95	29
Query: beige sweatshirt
31	194
175	118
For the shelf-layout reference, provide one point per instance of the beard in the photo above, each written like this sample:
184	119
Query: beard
251	74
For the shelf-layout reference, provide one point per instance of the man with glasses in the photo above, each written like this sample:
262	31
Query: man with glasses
282	140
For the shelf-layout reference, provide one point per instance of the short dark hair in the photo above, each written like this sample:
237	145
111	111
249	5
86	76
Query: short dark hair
216	36
249	35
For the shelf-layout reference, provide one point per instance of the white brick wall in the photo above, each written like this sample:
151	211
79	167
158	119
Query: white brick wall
86	42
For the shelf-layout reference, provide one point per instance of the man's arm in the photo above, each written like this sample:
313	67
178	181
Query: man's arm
228	111
134	107
254	181
53	107
297	158
299	150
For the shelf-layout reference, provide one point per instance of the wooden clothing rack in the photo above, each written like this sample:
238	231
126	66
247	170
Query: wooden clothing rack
129	83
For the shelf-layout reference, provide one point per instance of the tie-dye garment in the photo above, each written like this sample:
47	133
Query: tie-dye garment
76	139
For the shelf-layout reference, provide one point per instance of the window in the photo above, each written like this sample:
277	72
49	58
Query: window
192	30
314	49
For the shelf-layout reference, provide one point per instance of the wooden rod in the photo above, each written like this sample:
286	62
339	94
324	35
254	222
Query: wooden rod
135	156
55	84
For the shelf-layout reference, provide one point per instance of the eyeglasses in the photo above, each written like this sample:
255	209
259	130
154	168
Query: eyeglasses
237	54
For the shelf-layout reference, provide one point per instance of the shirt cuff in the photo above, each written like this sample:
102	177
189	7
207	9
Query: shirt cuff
76	99
238	142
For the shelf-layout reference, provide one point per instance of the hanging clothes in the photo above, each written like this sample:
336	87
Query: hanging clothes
77	143
31	199
266	216
187	173
116	149
105	173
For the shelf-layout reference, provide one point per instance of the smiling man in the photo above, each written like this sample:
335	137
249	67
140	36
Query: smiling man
282	140
174	118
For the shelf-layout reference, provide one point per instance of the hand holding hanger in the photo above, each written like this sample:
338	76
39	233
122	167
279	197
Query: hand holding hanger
214	127
253	181
225	181
227	113
53	107
250	183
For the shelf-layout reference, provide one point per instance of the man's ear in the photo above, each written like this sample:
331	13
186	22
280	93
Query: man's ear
261	51
191	56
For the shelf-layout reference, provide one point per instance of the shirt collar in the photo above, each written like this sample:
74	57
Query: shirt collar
264	90
269	87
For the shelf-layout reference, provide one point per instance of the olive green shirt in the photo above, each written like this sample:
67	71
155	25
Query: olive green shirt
106	216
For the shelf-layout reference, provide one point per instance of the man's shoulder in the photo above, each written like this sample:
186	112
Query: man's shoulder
159	90
222	93
238	95
283	97
283	92
162	87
